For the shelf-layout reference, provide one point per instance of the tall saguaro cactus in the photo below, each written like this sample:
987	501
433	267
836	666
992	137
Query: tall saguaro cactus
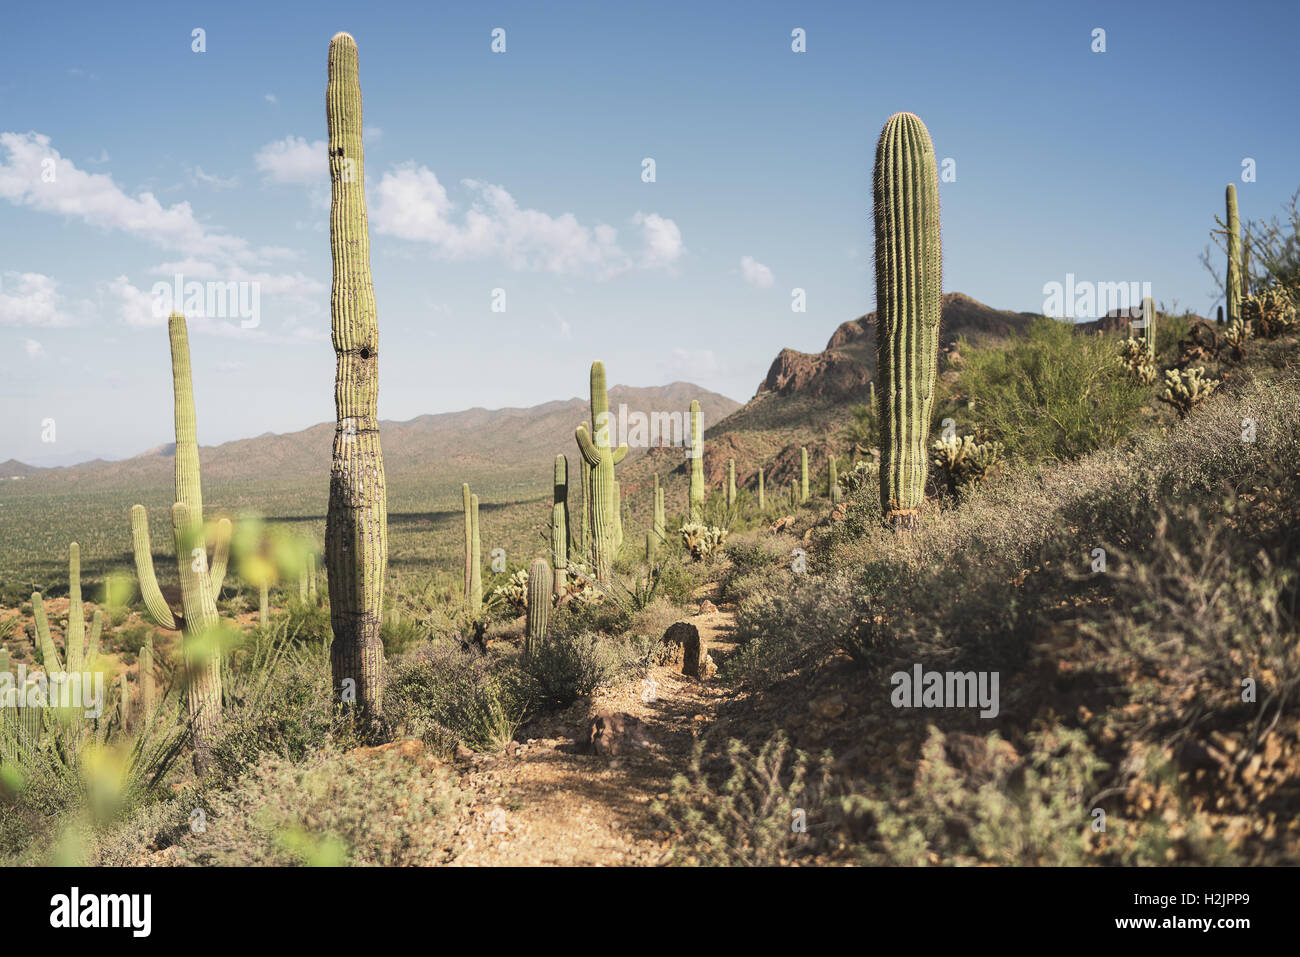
601	459
1149	332
1233	282
762	501
539	604
905	192
356	526
473	557
200	580
731	483
803	474
696	455
560	524
659	526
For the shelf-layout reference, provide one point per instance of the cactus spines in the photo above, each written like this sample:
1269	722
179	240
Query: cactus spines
731	483
606	520
905	193
696	455
1232	284
147	679
832	480
803	474
356	526
560	524
540	589
762	503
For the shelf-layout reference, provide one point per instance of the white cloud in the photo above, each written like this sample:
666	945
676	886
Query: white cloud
270	98
412	204
663	240
294	160
216	182
371	133
33	299
95	199
694	362
755	273
34	348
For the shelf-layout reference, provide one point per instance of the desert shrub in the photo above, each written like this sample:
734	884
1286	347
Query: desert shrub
1051	394
567	667
678	582
750	817
303	621
449	696
278	700
131	640
383	808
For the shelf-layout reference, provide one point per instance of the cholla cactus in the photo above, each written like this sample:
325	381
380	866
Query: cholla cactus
1186	389
864	474
1270	312
963	462
1136	357
1235	337
703	541
514	592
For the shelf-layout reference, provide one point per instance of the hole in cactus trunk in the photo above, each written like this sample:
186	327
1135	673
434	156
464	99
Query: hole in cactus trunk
365	352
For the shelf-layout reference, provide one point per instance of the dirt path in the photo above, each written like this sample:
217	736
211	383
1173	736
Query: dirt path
550	804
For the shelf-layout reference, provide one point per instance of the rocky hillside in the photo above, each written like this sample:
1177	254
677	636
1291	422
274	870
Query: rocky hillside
805	400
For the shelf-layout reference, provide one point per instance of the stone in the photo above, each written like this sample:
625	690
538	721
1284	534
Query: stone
611	733
694	653
708	608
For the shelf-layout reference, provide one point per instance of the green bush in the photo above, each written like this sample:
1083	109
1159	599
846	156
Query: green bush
1051	394
448	696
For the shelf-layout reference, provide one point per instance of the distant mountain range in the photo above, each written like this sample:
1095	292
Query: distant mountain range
804	400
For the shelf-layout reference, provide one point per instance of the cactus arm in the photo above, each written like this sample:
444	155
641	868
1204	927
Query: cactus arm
220	555
154	602
620	453
696	454
49	653
590	453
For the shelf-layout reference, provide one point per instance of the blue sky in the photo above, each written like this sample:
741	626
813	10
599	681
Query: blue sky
522	171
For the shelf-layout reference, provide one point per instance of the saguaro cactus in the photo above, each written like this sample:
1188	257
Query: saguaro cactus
560	524
731	482
1233	281
803	474
540	588
200	580
696	455
605	517
124	701
659	525
1149	330
473	556
905	191
762	503
356	527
